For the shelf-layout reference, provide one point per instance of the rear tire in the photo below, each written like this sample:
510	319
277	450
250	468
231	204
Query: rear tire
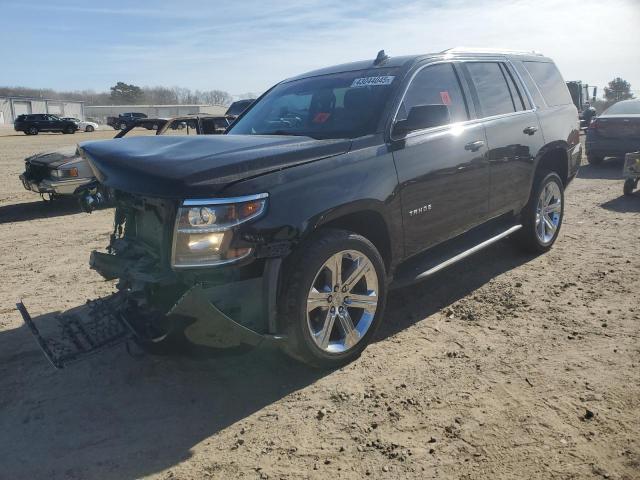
629	185
543	214
123	126
329	327
595	160
31	131
89	129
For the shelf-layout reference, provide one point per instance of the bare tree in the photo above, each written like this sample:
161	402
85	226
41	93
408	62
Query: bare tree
123	93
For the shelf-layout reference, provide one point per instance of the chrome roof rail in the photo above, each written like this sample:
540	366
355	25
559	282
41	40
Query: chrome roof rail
502	51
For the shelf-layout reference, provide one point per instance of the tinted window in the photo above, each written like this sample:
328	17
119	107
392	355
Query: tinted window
550	83
623	107
341	105
435	85
236	108
528	81
493	91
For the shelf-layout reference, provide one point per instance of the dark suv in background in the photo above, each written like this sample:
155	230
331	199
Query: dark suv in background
34	123
332	188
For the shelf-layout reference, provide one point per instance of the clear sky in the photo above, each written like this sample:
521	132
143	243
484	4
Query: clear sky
246	46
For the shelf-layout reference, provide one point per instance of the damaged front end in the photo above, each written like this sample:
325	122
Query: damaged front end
168	294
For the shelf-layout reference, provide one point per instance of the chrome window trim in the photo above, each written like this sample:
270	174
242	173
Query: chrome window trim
472	121
404	94
223	201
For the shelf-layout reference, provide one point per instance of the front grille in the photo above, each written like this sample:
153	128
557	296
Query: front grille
149	229
36	172
148	223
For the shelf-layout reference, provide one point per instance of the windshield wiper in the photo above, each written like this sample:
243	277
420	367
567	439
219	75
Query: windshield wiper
285	132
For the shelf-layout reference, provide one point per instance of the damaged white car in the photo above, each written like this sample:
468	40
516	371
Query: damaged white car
64	173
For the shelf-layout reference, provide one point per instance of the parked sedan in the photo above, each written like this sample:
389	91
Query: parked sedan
64	172
84	125
615	132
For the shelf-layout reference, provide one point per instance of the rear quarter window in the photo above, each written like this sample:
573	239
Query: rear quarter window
550	83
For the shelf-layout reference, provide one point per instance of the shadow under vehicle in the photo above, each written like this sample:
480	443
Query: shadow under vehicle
65	173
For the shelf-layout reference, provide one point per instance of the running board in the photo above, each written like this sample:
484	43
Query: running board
421	269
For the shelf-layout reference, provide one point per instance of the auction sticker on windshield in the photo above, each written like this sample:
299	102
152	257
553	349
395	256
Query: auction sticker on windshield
372	81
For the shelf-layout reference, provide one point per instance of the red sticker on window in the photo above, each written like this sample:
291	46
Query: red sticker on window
446	99
321	117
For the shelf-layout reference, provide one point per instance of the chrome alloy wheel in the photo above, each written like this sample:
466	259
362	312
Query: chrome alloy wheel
548	212
342	301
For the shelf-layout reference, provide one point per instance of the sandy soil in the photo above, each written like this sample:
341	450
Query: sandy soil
487	371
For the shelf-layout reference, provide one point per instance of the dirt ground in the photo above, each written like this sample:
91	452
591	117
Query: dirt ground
505	366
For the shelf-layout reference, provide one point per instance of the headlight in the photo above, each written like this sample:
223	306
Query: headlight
204	230
64	173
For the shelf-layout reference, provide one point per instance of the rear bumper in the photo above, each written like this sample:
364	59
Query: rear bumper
611	146
58	187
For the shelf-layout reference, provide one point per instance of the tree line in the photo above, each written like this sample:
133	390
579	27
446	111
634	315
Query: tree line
128	94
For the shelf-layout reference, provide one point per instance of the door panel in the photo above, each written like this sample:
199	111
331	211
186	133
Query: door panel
511	158
513	133
442	171
444	186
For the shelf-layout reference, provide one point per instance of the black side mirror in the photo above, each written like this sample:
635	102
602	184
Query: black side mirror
423	116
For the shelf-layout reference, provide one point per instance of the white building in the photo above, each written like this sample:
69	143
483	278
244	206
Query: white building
100	113
11	107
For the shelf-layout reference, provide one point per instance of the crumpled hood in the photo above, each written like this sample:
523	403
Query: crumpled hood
196	166
56	158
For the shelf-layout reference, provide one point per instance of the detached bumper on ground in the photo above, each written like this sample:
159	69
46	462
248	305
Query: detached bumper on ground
212	316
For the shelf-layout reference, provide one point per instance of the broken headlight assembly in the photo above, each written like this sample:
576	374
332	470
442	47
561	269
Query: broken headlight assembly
204	230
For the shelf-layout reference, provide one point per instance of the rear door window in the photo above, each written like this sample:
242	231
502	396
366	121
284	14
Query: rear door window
435	85
549	82
491	85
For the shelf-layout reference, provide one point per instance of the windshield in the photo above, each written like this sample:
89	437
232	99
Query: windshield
623	107
343	105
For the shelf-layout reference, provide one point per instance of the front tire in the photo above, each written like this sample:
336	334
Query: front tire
629	185
32	131
333	298
543	214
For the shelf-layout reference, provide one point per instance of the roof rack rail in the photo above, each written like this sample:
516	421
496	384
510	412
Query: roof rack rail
503	51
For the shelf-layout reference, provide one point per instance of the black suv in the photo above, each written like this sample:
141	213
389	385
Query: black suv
43	122
332	188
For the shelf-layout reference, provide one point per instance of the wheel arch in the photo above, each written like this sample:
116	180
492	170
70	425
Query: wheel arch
364	217
554	157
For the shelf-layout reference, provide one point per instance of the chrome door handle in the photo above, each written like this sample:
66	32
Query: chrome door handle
530	130
474	146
